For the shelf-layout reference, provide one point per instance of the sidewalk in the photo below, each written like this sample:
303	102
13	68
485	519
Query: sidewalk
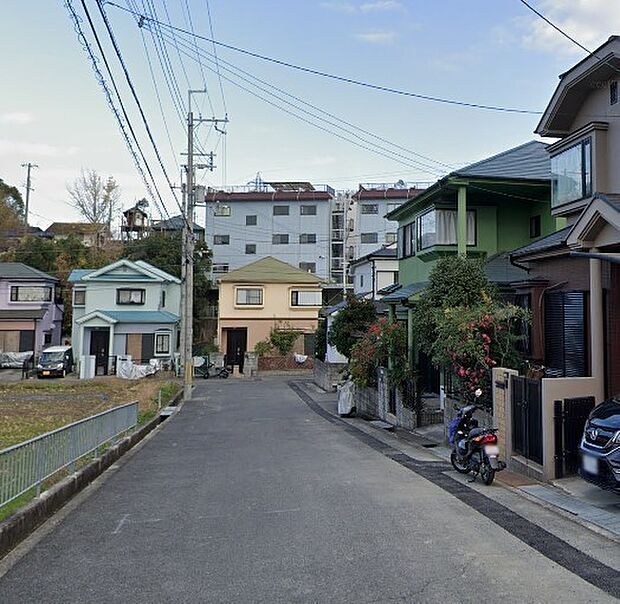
572	497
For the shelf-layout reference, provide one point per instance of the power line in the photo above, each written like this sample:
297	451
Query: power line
394	156
316	108
566	35
339	78
123	124
138	103
217	66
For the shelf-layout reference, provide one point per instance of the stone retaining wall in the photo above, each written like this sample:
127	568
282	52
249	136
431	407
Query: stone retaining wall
327	375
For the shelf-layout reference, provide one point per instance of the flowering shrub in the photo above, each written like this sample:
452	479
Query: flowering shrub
473	340
384	340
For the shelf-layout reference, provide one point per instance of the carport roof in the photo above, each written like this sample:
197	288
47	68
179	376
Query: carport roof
21	314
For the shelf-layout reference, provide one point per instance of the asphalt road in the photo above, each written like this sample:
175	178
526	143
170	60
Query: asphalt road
250	495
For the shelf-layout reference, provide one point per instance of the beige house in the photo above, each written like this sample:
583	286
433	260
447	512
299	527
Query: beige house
262	295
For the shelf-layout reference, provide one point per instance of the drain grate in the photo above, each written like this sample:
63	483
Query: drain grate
430	445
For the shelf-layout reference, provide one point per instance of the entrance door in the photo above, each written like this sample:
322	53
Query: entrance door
236	345
100	348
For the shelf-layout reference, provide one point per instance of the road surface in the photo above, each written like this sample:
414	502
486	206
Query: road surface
253	494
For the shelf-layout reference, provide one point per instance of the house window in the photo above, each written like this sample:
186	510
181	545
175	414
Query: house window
163	298
279	239
30	293
130	296
221	210
307	210
565	334
613	92
47	338
280	210
309	267
221	239
361	280
438	227
535	226
306	298
162	343
220	268
370	208
250	248
307	238
369	238
390	237
406	240
250	220
249	297
392	206
79	297
571	174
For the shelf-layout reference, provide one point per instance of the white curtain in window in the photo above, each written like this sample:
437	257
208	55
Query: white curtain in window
446	227
471	227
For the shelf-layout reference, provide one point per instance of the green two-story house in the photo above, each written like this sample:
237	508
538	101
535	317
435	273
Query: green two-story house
483	210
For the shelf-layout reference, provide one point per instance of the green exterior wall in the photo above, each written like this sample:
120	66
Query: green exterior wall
502	225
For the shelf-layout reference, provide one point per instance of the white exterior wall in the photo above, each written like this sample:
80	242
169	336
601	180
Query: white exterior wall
268	225
384	270
372	223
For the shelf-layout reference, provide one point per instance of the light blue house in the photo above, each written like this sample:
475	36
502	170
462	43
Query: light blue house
126	308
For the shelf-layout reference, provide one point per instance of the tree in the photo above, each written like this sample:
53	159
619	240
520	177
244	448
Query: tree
283	337
350	324
464	326
96	200
11	198
164	251
11	209
454	281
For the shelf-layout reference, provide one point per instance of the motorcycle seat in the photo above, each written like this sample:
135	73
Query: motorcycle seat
476	432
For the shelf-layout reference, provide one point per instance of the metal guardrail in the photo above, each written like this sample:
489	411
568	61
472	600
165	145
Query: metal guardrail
26	465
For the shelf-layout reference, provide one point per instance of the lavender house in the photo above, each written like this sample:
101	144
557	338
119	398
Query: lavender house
30	318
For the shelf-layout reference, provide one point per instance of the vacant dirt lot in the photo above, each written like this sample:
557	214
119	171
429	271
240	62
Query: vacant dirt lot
30	408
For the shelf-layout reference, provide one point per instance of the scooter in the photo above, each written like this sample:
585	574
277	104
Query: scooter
474	449
206	370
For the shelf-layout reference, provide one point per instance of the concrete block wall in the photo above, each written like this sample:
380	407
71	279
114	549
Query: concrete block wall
327	375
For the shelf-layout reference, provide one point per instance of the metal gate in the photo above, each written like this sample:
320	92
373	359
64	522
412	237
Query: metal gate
527	434
569	418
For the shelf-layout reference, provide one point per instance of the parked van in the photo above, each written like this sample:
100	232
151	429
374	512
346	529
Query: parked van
55	361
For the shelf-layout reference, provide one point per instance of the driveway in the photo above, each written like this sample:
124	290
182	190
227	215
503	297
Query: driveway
253	493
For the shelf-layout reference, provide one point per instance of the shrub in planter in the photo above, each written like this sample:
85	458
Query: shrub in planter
283	338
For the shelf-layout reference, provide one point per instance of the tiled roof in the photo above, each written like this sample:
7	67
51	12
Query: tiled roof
75	228
19	270
382	252
499	269
174	223
527	161
269	270
404	293
556	239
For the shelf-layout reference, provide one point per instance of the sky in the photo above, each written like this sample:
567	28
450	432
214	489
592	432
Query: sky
53	111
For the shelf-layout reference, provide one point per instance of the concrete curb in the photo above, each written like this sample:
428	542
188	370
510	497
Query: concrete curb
16	528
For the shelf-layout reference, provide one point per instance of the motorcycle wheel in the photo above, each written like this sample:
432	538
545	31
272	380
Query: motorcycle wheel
461	469
224	374
487	473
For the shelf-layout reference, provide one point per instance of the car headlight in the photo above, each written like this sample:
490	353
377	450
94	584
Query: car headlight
59	366
39	366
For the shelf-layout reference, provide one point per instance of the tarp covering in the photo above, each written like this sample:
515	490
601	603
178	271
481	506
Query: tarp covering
128	370
14	360
346	404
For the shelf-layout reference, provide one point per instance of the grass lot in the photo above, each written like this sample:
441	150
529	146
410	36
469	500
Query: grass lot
30	408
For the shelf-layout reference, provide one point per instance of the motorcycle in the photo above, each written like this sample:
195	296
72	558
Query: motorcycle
206	369
474	449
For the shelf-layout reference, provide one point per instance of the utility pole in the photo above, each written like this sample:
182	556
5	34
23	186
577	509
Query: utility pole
188	239
28	167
